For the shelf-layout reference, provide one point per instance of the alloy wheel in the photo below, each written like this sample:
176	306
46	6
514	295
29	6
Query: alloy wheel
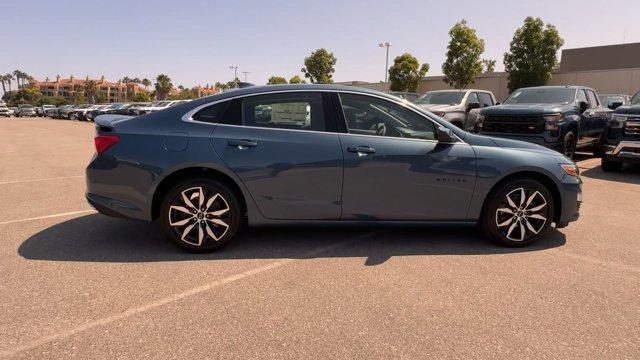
522	214
198	215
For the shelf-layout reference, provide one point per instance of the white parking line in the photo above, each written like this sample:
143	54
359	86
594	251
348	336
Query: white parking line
42	179
48	216
170	299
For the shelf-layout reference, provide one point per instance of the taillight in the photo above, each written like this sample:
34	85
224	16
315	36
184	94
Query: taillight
104	142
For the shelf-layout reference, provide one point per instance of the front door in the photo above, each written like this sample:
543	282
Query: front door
394	167
290	164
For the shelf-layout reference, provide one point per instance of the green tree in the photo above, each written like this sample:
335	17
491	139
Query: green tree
463	56
488	66
8	78
405	73
233	84
533	54
220	86
90	90
141	96
274	80
163	86
319	67
31	94
295	79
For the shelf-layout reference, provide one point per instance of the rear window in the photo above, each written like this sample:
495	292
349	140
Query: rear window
227	112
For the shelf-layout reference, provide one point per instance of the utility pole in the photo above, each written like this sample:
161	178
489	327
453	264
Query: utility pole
386	64
245	75
235	71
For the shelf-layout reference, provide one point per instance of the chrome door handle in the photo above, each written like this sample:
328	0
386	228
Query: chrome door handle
242	144
362	150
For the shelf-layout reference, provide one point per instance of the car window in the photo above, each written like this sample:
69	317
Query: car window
367	115
473	98
592	98
296	111
485	99
581	96
226	112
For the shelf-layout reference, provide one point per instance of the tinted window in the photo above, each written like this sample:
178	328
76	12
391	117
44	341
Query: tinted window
473	98
485	99
368	115
581	96
441	97
297	111
592	98
635	100
542	96
227	112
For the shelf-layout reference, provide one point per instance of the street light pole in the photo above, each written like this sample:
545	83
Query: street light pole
235	71
386	63
245	75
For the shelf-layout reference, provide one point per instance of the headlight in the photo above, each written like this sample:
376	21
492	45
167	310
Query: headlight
552	122
570	169
617	121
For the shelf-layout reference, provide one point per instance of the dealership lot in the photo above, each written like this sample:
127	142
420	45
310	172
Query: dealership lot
74	283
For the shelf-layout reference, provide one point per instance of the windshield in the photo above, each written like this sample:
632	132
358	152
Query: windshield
441	98
542	96
636	99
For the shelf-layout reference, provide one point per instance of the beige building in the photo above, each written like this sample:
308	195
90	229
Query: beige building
607	69
72	87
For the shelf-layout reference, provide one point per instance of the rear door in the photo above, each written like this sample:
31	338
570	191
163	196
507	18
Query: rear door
286	153
599	118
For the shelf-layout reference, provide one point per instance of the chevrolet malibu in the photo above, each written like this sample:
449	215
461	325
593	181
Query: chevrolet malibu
323	155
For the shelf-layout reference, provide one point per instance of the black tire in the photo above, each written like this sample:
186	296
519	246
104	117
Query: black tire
569	145
599	148
507	228
610	165
204	234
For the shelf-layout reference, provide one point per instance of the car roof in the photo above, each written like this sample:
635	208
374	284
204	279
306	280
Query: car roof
575	87
459	90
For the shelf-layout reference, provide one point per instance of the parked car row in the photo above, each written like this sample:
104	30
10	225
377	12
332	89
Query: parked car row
88	112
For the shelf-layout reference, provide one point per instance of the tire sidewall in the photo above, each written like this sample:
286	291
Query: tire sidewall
488	216
230	197
570	136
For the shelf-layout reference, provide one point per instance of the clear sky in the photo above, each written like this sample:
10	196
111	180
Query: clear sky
195	41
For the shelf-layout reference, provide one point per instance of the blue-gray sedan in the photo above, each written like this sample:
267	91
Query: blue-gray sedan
320	154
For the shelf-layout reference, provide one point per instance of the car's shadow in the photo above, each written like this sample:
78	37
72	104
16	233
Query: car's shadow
97	238
629	174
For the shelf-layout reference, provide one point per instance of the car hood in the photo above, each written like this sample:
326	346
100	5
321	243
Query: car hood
524	109
483	140
437	107
628	109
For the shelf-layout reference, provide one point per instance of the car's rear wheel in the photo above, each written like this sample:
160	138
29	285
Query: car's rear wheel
200	215
611	165
518	213
569	145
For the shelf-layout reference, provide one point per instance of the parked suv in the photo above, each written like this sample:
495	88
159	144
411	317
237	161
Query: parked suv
25	110
623	136
459	107
44	110
561	118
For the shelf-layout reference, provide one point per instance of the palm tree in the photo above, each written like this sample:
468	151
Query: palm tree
8	78
90	90
163	86
146	82
3	80
18	75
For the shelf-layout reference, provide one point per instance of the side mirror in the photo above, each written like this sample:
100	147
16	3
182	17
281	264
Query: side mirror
473	105
583	106
497	103
445	135
614	105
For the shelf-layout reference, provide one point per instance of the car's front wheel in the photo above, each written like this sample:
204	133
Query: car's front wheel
200	215
569	145
518	213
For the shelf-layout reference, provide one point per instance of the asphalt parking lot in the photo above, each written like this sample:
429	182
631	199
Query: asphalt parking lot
76	284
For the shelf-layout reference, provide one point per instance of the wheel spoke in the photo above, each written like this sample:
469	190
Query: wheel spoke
181	209
181	222
522	231
538	208
210	233
505	223
531	199
530	227
513	226
186	232
219	222
506	210
186	200
522	196
510	201
200	234
536	216
201	197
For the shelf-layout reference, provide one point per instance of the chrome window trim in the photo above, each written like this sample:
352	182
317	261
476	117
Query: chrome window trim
188	117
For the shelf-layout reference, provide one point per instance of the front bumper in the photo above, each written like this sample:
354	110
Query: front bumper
625	150
534	139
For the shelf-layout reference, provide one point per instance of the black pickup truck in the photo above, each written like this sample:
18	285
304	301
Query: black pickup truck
561	118
623	136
